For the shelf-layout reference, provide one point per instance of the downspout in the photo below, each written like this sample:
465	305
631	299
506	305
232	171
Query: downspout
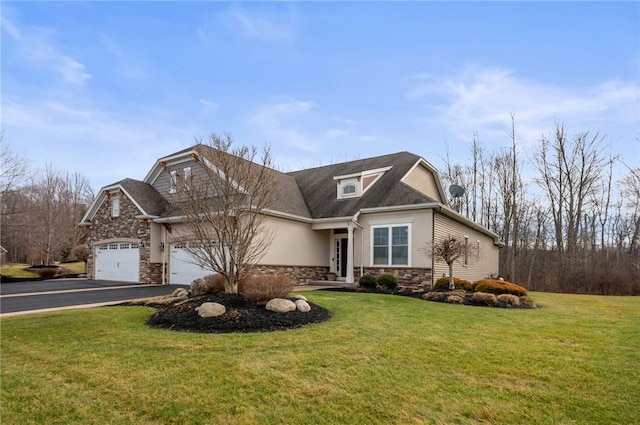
355	221
164	254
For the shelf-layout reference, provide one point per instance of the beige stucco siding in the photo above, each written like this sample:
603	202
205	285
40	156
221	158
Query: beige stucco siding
295	244
420	222
480	265
423	180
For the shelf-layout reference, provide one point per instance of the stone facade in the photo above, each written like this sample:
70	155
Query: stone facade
301	274
405	276
126	227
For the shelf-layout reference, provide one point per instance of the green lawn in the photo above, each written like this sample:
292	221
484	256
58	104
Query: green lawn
19	270
380	360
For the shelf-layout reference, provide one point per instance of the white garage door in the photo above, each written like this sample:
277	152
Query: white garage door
183	267
119	261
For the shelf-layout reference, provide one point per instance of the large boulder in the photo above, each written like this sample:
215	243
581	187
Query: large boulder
211	310
300	297
199	287
302	306
280	305
180	293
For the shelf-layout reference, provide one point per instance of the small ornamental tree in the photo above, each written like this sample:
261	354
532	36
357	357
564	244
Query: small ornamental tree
451	249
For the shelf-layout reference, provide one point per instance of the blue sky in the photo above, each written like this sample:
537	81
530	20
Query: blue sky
106	88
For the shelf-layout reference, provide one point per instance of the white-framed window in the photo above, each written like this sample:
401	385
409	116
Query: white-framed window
115	207
173	181
187	176
391	245
349	189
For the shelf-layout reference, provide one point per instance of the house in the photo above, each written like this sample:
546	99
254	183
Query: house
375	215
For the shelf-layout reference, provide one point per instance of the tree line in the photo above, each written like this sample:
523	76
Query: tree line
41	211
570	225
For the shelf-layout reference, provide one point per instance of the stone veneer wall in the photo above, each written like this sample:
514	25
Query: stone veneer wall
301	274
126	226
406	276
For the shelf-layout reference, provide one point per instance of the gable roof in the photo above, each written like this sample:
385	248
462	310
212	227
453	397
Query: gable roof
144	196
319	189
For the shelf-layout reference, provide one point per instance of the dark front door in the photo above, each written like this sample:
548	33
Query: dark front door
343	257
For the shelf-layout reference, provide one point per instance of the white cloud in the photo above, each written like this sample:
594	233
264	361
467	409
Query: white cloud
299	124
36	45
260	27
481	99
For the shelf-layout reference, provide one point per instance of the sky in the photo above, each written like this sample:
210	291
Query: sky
107	88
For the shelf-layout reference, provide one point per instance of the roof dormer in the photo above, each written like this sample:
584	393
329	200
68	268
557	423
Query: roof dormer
356	184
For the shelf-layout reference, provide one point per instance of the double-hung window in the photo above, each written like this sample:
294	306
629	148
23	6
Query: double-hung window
173	182
390	245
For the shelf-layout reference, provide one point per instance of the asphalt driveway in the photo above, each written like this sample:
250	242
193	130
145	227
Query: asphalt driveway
48	295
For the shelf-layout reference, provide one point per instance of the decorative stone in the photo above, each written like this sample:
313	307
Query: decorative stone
280	305
302	306
198	287
300	297
180	293
211	310
455	299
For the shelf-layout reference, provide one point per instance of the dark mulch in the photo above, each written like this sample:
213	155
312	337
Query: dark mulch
241	316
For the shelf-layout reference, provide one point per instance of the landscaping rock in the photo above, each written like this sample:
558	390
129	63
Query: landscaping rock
180	293
485	298
300	297
199	287
455	299
211	310
303	306
280	305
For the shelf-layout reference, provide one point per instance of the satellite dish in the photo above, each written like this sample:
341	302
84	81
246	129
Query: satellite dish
456	191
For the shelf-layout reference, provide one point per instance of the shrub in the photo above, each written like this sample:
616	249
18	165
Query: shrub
499	287
442	284
368	281
484	298
47	272
389	281
262	288
528	302
215	282
509	299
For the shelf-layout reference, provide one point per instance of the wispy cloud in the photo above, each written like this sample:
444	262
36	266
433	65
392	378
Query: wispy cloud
37	45
482	99
299	124
259	26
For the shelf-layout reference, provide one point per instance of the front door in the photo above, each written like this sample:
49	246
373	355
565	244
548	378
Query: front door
341	257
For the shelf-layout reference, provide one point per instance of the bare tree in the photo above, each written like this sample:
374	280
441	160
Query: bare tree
13	168
451	249
224	204
570	171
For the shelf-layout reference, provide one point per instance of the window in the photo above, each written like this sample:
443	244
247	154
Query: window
187	177
349	190
173	182
390	245
115	207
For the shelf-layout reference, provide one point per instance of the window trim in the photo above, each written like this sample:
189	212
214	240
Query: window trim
390	245
465	253
173	181
115	207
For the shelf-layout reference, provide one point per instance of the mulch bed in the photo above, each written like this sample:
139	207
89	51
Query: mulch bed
241	316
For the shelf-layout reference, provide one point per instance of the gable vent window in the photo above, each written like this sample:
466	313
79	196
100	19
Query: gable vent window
349	190
173	182
115	207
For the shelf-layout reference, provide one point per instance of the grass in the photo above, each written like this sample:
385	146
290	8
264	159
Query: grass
19	270
380	360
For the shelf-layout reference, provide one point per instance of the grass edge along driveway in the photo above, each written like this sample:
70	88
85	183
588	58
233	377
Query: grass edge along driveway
381	360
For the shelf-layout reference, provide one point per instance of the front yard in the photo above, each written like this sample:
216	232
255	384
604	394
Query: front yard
381	359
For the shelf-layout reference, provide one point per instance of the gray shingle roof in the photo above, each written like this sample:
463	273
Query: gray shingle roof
146	196
319	189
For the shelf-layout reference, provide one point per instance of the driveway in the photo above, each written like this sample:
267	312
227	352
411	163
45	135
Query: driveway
48	295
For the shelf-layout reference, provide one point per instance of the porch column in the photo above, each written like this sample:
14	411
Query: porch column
349	276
